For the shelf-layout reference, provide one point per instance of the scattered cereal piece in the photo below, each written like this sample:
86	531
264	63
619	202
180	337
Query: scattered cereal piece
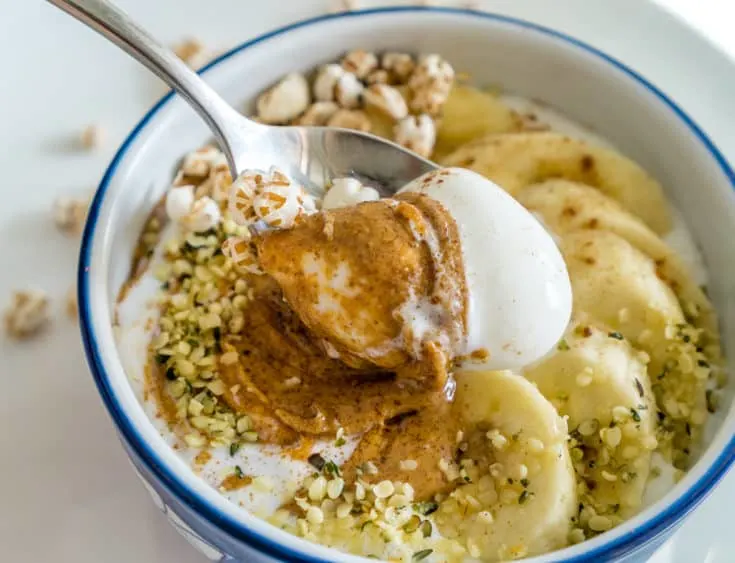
191	51
360	63
179	201
386	99
318	114
399	65
91	137
70	214
430	84
326	82
348	91
27	314
285	101
417	133
201	162
271	196
204	215
240	198
378	76
350	119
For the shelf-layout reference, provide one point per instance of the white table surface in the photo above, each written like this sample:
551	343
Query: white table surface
67	493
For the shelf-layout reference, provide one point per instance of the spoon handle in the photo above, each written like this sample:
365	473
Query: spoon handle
105	18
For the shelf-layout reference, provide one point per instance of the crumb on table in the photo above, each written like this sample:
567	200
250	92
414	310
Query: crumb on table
70	214
27	314
192	52
91	137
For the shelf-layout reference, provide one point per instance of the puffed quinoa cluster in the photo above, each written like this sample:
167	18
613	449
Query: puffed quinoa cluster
362	89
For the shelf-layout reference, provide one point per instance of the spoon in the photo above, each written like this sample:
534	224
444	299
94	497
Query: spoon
312	156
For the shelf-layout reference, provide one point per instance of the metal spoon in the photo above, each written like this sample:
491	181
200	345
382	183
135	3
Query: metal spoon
310	155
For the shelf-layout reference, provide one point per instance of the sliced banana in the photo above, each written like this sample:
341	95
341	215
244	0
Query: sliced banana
470	113
516	160
617	286
521	497
600	382
568	206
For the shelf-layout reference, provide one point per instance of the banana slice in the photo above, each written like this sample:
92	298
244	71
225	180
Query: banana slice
568	206
470	113
601	384
617	286
524	505
516	160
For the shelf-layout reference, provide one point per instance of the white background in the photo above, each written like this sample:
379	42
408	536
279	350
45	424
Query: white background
67	493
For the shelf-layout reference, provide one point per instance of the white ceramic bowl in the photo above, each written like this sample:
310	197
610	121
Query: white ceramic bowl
526	59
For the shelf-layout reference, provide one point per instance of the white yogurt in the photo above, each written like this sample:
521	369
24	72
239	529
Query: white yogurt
520	297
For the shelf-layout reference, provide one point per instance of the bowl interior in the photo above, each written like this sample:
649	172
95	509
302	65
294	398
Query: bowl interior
520	58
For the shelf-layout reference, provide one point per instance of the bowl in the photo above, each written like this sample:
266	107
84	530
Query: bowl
536	62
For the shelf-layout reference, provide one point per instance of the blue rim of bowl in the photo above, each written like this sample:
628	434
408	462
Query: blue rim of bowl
626	544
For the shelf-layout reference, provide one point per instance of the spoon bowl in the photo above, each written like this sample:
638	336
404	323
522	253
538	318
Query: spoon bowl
312	156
